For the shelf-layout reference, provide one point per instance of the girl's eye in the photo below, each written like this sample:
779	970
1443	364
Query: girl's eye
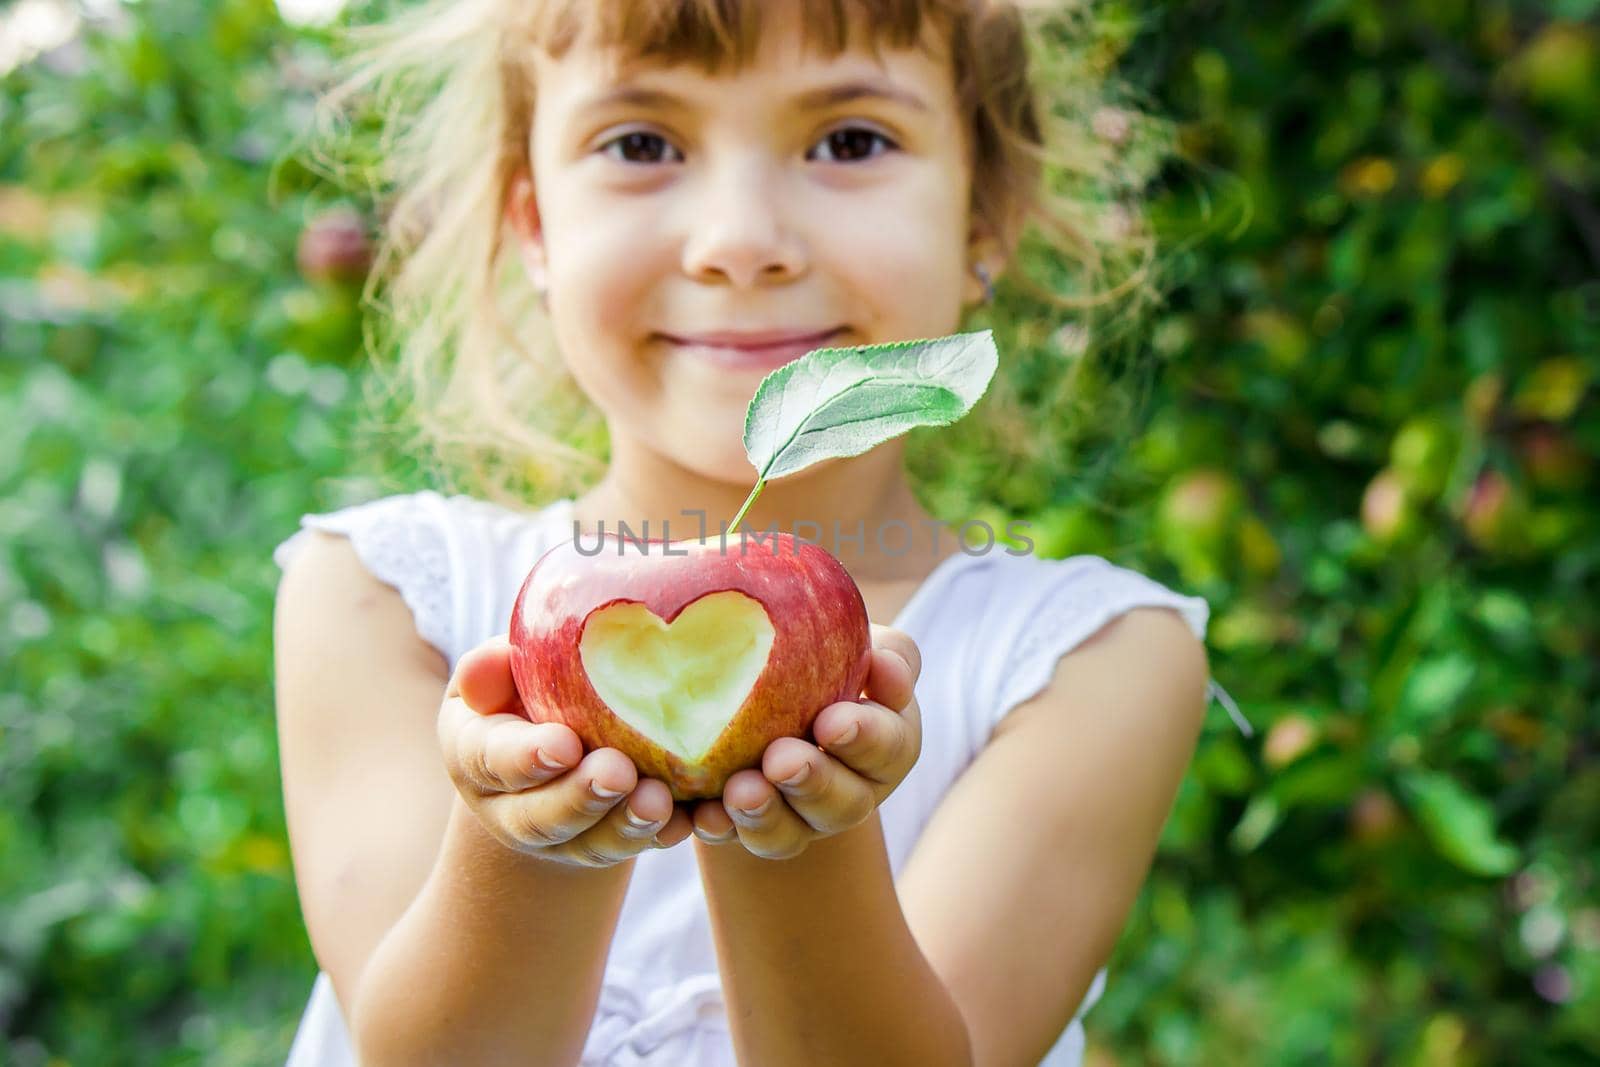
855	142
845	144
639	141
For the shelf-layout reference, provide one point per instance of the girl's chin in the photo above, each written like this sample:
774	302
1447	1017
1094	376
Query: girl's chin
735	475
714	451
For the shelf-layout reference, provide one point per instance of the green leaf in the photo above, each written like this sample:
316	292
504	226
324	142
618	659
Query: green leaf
837	402
1460	824
1261	816
1435	687
1319	781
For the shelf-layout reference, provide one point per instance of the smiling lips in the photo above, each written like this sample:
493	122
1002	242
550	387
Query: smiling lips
751	349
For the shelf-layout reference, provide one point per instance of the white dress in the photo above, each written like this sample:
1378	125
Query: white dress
990	628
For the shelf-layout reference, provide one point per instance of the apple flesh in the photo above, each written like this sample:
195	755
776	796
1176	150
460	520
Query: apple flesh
690	657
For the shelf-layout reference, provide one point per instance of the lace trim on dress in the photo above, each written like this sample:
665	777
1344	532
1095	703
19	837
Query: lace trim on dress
1099	592
405	547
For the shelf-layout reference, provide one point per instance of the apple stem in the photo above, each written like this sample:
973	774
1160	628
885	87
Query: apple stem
751	499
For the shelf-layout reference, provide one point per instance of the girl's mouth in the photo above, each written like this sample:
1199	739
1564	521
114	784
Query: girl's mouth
749	356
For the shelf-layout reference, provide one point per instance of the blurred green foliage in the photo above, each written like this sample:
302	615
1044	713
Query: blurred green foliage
1371	445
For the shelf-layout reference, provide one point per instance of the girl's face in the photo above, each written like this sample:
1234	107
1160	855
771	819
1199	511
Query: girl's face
768	200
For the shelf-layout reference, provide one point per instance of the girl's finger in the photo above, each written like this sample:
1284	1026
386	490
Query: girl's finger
712	824
489	754
770	829
900	642
483	678
650	804
678	828
827	795
519	754
632	826
891	680
873	741
560	810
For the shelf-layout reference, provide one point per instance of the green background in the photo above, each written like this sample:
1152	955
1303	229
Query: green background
1370	442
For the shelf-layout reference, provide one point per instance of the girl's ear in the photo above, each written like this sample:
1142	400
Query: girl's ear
985	249
522	213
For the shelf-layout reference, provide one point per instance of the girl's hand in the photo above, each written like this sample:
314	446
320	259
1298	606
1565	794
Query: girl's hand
803	792
530	784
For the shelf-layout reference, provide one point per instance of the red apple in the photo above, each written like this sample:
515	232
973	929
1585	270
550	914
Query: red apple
1552	458
1197	522
690	657
1388	511
1494	513
1289	739
1374	817
334	247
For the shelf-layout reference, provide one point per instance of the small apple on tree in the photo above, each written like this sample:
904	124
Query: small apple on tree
334	248
691	657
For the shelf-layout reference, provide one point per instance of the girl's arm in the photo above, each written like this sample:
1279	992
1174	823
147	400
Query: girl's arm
818	963
1014	897
1020	884
443	945
498	961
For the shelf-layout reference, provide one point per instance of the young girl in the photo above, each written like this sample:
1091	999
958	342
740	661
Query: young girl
697	191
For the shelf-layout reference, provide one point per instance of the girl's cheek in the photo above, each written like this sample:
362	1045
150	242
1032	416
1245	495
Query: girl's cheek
608	266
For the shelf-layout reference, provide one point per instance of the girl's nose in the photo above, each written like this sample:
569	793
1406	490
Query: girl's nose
741	232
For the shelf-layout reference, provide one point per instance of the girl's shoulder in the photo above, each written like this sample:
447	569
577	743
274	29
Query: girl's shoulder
456	560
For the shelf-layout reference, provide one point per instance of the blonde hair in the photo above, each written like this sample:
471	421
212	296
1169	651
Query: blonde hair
433	109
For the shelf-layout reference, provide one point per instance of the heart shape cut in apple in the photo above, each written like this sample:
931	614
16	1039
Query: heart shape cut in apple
690	657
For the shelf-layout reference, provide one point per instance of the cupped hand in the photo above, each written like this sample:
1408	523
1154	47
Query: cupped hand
804	792
531	785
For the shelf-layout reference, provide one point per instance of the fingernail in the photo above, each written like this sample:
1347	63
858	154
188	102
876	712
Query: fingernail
639	823
849	734
710	840
547	761
602	793
754	813
797	777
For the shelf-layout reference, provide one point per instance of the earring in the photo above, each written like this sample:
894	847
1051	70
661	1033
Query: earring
988	284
